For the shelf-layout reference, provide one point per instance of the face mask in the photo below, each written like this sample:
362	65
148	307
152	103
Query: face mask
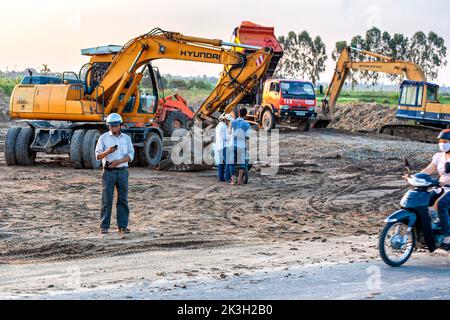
445	147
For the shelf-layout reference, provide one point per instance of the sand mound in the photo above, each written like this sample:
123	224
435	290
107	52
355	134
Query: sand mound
363	117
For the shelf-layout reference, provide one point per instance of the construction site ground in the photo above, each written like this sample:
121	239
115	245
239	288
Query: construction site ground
326	205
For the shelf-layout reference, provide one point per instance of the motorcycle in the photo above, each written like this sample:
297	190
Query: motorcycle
415	225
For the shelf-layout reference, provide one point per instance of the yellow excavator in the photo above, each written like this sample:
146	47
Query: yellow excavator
418	102
66	115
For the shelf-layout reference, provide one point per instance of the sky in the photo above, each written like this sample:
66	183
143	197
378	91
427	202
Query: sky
53	32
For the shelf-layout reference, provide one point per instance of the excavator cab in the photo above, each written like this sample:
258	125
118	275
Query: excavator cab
419	101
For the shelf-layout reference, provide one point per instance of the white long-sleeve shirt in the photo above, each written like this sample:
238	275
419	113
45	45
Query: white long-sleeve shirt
125	147
221	136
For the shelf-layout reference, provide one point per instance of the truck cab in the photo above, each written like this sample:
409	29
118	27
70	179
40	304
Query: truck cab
290	100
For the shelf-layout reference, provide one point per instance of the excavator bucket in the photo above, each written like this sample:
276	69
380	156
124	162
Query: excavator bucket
320	123
323	116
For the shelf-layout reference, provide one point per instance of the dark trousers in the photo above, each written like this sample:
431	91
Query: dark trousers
115	179
443	204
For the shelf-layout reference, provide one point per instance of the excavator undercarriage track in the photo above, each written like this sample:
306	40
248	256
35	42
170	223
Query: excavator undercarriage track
419	133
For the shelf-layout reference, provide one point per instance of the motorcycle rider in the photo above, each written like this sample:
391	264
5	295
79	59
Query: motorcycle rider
441	164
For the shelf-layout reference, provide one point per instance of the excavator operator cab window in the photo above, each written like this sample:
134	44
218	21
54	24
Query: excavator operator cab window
149	91
411	94
432	93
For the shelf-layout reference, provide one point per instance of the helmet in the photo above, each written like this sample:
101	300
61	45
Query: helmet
114	119
226	116
444	135
422	180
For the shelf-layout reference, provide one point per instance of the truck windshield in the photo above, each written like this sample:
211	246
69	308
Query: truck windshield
297	90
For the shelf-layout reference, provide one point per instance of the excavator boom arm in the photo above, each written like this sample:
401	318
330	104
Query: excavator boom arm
389	65
241	71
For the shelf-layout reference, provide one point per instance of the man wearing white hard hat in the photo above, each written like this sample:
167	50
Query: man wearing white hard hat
115	149
222	137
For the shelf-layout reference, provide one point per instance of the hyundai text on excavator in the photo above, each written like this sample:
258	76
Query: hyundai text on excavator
418	101
275	101
67	116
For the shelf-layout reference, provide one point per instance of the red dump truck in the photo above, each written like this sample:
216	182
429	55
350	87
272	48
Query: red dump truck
275	101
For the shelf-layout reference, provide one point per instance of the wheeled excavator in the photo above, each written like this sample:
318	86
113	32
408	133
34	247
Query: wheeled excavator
418	102
67	116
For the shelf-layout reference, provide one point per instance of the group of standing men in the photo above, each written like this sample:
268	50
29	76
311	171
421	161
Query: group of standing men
231	148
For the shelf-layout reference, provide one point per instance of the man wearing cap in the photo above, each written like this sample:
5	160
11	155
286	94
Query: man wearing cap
115	149
223	173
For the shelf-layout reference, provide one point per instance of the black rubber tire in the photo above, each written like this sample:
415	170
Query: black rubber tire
268	121
76	144
24	139
172	117
135	162
383	254
88	149
305	125
152	151
10	146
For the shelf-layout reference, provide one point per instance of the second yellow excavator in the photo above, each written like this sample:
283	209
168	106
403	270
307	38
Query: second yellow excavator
66	115
418	101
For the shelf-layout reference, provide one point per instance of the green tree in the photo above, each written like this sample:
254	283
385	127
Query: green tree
289	65
164	81
303	56
177	84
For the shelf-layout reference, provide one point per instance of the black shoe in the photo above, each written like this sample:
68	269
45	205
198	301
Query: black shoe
124	230
103	231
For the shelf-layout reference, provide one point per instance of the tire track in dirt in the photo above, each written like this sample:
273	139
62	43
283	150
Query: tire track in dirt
66	251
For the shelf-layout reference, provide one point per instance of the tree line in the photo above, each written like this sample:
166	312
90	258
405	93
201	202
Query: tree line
305	56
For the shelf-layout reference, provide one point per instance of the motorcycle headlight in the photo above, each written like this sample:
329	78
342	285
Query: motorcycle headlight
284	107
311	109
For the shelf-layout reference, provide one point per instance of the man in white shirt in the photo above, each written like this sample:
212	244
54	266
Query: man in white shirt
221	145
116	150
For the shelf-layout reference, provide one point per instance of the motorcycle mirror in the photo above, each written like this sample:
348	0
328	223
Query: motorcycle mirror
407	169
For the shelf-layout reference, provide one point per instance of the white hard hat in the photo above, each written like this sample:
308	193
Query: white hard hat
226	116
114	119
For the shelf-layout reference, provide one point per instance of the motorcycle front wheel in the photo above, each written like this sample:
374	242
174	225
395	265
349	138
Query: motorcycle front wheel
396	244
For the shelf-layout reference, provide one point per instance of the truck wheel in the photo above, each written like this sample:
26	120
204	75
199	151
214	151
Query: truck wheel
76	145
268	120
135	162
304	125
10	146
152	151
88	149
174	120
24	156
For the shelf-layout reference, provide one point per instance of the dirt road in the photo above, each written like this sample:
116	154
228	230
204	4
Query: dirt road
335	193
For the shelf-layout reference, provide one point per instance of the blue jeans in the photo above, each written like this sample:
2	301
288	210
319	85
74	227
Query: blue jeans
223	169
114	179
